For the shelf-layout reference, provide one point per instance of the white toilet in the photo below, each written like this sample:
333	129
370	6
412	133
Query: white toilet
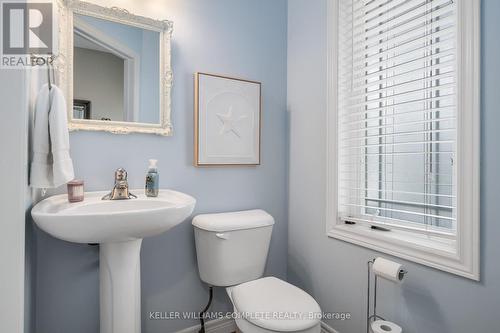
232	251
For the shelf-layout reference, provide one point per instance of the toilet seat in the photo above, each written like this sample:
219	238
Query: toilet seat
270	304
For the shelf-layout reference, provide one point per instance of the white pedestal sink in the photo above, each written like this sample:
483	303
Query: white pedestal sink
119	227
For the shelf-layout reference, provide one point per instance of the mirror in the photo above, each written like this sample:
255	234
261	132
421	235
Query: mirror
118	77
115	69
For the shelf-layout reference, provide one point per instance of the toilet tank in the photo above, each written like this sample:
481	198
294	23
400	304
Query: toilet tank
232	248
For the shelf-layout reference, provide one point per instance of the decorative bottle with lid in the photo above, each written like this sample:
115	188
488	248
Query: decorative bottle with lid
152	179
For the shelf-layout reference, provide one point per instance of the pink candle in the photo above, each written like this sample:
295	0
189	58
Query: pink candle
75	191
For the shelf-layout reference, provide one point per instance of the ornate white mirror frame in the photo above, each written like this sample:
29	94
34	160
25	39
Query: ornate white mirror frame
63	63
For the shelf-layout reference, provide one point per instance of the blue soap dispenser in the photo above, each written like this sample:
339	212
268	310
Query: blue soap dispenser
152	179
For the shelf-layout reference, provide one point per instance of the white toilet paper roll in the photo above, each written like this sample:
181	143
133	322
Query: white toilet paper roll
383	326
388	269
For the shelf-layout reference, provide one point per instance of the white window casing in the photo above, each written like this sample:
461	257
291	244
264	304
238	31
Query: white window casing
403	129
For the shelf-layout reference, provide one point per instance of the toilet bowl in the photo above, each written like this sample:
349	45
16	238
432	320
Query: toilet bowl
232	250
272	305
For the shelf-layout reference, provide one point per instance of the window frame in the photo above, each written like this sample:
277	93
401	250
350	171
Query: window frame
461	256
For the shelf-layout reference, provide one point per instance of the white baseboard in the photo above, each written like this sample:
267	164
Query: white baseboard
226	325
222	325
325	328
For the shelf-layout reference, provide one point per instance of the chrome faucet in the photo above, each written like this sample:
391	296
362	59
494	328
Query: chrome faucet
120	190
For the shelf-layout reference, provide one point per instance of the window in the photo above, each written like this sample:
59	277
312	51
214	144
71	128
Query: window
403	129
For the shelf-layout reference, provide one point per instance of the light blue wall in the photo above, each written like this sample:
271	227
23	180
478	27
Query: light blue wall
150	75
429	301
242	38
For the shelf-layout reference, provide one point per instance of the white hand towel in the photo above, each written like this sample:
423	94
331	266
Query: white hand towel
51	165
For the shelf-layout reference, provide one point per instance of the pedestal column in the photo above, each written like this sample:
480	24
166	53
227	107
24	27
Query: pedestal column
120	287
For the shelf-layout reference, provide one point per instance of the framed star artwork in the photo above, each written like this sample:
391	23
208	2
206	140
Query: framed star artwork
227	121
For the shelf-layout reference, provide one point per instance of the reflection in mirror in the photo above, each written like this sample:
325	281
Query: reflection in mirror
116	71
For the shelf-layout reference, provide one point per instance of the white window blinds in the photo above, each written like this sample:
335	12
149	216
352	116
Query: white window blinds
397	114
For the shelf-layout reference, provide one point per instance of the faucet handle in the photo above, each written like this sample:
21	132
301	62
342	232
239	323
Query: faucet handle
120	174
120	190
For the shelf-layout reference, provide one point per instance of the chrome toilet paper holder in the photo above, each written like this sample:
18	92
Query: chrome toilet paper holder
374	316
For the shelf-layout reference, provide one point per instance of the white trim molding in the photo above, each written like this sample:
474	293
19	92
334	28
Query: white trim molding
325	328
222	325
461	255
14	200
228	325
63	64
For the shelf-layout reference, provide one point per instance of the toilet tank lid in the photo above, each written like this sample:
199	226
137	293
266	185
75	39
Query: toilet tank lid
221	222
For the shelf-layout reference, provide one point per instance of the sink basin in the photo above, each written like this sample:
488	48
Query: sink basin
101	221
119	227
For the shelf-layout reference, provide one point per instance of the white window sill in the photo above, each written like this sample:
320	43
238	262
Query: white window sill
440	253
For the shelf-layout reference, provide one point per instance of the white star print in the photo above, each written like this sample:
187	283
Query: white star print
229	122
